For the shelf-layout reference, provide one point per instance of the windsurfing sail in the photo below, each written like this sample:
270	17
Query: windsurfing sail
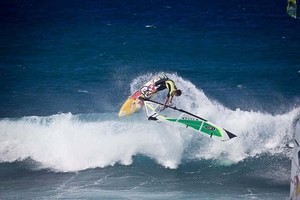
184	119
291	8
295	171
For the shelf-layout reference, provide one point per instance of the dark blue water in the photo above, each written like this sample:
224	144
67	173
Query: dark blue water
66	68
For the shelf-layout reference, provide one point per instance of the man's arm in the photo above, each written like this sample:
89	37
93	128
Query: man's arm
165	103
171	98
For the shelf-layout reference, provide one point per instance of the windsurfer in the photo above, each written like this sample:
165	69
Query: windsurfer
172	90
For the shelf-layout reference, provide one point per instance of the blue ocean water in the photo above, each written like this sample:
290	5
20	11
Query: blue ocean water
66	68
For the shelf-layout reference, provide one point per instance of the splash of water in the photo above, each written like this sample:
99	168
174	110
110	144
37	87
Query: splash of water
66	142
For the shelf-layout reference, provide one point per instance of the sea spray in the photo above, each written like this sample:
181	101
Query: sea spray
67	142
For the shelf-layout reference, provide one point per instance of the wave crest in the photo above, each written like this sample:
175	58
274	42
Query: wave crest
66	142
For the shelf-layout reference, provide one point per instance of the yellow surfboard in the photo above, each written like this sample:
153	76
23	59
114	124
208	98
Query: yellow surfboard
131	105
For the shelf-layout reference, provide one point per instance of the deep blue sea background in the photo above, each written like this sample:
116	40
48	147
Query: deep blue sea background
66	68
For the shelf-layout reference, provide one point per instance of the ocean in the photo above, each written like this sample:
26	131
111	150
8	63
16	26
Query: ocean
68	66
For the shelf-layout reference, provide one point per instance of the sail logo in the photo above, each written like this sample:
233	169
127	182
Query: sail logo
211	128
186	118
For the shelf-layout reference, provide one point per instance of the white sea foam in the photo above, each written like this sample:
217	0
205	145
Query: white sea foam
65	142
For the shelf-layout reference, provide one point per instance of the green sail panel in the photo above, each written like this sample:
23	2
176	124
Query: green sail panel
202	126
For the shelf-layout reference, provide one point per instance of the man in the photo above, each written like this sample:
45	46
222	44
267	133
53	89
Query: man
170	85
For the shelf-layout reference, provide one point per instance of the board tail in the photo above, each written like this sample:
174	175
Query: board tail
230	135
